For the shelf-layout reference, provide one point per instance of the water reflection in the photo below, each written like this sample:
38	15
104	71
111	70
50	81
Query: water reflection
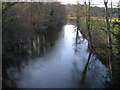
68	64
83	77
17	53
92	66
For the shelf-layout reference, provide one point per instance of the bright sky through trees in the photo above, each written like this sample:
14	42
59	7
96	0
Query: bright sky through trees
93	2
98	3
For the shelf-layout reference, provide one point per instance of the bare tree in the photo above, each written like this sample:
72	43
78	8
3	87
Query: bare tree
119	10
109	34
77	21
87	14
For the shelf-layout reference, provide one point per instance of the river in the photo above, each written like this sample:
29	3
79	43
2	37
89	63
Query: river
65	65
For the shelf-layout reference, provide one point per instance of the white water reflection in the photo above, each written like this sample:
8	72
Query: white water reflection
62	67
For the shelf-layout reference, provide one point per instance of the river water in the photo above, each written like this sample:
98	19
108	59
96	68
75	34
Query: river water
64	66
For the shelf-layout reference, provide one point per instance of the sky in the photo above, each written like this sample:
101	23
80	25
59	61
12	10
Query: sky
95	2
98	3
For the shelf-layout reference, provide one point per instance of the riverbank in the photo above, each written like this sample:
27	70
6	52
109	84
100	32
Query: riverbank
100	46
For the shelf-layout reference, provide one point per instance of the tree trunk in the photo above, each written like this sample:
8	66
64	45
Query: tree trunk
119	10
77	21
88	24
109	36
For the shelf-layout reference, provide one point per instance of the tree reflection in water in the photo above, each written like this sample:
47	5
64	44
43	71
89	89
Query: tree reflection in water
91	71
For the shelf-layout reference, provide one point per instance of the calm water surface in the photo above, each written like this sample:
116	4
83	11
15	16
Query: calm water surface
64	66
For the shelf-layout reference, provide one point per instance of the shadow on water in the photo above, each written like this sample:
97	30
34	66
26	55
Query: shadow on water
16	53
52	59
83	75
83	78
89	75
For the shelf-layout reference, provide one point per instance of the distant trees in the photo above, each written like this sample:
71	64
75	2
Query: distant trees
22	19
47	14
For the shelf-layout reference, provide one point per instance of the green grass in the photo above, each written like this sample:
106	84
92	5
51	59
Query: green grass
72	17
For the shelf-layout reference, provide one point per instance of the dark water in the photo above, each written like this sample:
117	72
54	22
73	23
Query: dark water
60	64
